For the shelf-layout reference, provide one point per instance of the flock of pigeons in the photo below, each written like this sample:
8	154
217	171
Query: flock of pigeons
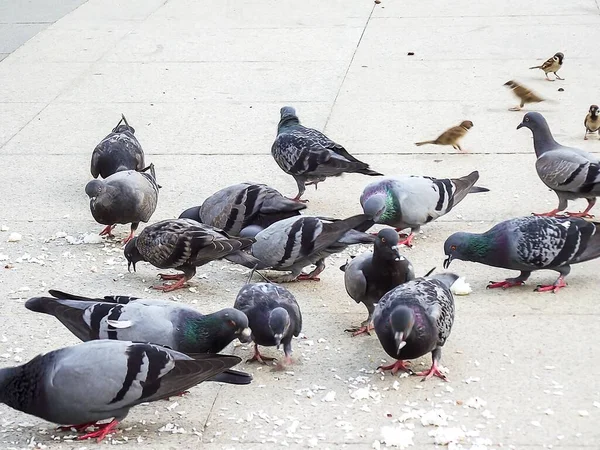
139	350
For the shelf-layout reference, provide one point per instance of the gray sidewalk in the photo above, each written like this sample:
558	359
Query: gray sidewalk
202	83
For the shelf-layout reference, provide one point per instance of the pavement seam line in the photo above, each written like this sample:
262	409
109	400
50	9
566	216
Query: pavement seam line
337	94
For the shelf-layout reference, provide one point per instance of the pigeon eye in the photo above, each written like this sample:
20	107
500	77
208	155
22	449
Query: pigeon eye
382	239
453	247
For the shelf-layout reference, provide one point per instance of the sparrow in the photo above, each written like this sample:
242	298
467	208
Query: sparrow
525	95
592	121
552	65
451	136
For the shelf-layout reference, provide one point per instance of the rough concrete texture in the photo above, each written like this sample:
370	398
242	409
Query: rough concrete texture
202	82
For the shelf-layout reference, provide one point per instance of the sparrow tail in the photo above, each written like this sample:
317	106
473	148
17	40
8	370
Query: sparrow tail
418	144
536	67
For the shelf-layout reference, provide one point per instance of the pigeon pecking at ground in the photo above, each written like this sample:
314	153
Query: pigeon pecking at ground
185	244
93	381
369	276
414	319
527	244
274	317
297	242
310	156
163	322
118	151
237	207
570	172
123	197
410	201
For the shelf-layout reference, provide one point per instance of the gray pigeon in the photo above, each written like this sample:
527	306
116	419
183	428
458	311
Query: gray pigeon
310	156
237	207
274	317
570	172
410	201
185	244
123	197
527	244
294	243
118	151
369	276
161	322
98	380
414	319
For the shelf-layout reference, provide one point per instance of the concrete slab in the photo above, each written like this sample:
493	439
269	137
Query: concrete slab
12	35
36	11
14	117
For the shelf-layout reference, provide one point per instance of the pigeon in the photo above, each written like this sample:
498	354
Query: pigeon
527	244
524	94
294	243
369	276
570	172
274	317
410	201
124	197
310	156
246	204
451	136
414	319
163	322
184	244
97	380
118	151
552	65
591	121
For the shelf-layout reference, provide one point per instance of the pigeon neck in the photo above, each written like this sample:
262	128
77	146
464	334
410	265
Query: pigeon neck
478	247
205	334
15	388
288	122
543	140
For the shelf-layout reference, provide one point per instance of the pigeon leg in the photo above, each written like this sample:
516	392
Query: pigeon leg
258	357
103	430
301	190
397	366
558	284
314	275
509	282
407	241
434	370
107	230
585	213
131	233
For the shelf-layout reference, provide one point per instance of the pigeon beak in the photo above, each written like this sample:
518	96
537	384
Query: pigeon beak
278	338
399	336
447	261
396	253
520	125
245	335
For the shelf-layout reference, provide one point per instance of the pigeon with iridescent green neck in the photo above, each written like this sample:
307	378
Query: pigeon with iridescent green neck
410	201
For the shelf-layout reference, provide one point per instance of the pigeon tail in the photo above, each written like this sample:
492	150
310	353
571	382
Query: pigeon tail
232	376
244	259
477	189
592	249
369	172
191	213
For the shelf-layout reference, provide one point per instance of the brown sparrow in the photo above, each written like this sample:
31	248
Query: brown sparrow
451	136
552	65
525	95
592	121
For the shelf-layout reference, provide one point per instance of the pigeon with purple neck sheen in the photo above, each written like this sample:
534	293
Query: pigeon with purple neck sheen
410	201
81	385
570	172
310	156
370	275
243	205
528	244
414	319
118	151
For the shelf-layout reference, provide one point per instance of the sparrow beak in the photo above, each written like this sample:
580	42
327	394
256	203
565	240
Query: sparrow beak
129	264
278	338
447	261
400	342
520	125
245	335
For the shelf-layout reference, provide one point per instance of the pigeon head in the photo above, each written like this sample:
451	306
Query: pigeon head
542	136
594	111
279	322
534	121
94	188
123	126
402	320
375	206
559	57
467	247
466	124
288	117
386	244
132	254
236	321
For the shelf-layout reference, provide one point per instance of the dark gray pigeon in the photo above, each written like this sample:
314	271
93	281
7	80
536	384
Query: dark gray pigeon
294	243
274	317
98	380
124	197
310	156
527	244
161	322
570	172
409	201
237	207
184	244
372	274
414	319
118	151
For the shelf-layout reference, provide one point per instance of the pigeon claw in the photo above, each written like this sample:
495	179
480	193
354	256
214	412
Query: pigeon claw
407	240
307	277
107	231
79	428
433	371
553	213
357	331
583	215
560	283
102	431
179	284
503	284
397	366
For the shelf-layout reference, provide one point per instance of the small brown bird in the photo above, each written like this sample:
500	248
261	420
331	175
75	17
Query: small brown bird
526	95
451	136
592	121
552	65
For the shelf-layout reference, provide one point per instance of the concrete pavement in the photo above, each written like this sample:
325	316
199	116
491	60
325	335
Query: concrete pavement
202	83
